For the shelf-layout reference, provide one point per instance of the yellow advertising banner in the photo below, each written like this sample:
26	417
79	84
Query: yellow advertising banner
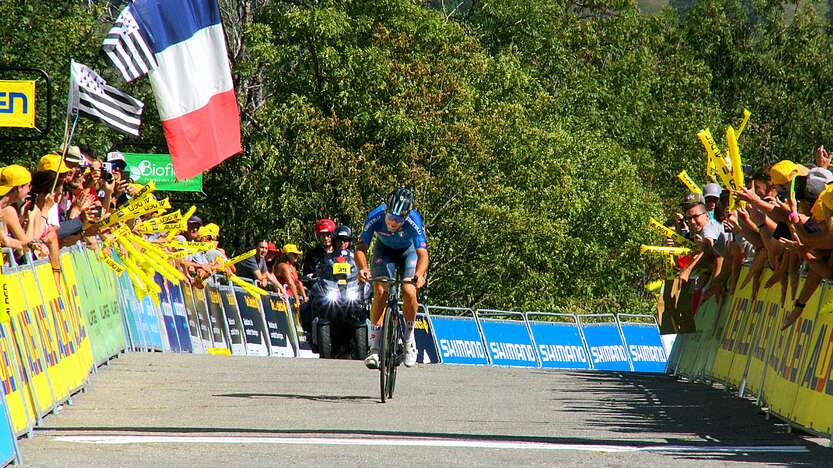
28	338
17	103
55	369
18	399
72	301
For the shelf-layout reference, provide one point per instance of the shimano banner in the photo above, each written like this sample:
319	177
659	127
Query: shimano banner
249	307
508	343
645	346
277	322
459	341
605	345
424	336
559	345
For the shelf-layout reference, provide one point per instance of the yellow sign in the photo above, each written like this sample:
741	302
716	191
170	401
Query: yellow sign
17	103
341	269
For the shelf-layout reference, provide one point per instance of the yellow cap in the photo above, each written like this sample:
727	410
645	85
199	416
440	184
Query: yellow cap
825	200
209	230
13	176
291	249
783	172
51	162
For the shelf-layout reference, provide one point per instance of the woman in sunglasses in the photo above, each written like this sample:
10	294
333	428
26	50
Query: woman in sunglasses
400	246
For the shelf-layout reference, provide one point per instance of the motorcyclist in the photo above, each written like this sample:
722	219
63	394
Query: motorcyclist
312	259
342	252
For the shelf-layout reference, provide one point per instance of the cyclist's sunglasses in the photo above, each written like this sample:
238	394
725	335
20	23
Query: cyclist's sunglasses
394	218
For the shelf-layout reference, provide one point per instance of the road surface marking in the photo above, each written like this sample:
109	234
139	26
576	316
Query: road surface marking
423	442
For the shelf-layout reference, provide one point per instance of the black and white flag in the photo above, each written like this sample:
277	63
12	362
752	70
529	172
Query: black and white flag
92	97
127	47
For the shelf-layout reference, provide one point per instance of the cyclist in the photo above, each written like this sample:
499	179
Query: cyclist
400	245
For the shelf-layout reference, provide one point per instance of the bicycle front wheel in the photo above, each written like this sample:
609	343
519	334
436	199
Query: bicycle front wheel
385	351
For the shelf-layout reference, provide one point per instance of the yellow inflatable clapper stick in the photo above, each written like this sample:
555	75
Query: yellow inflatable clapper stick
250	288
238	258
743	122
734	156
665	231
686	180
663	250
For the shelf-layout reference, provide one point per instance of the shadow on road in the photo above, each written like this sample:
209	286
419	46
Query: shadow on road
661	407
296	396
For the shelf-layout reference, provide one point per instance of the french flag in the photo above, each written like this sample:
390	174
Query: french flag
191	81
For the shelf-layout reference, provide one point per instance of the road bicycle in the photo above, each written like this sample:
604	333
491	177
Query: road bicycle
391	349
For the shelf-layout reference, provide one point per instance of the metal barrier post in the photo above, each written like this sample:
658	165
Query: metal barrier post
208	315
584	340
433	333
624	342
755	339
265	328
482	338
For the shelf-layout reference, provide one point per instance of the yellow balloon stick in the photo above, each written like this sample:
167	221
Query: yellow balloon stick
250	288
152	259
734	156
715	155
663	250
114	265
666	231
238	258
688	182
746	115
654	285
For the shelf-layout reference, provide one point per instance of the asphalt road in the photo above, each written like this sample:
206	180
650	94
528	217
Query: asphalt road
178	409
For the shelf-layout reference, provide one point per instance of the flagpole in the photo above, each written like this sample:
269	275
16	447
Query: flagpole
64	153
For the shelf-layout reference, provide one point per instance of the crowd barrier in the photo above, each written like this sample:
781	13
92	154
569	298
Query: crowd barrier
740	344
54	336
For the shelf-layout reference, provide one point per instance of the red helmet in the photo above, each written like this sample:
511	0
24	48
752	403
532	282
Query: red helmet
324	225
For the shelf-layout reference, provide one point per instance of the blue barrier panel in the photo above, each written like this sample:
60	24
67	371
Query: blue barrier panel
559	344
8	442
644	345
459	340
180	317
507	341
130	307
424	336
605	345
167	313
149	325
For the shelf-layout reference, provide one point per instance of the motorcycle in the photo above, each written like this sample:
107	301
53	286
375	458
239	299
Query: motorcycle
340	306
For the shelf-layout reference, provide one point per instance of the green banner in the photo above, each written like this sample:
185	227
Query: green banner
99	304
159	168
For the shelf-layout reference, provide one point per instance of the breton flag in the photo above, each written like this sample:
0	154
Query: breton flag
92	97
191	82
127	47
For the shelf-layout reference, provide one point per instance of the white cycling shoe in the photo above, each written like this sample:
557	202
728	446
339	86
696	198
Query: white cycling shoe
372	359
410	353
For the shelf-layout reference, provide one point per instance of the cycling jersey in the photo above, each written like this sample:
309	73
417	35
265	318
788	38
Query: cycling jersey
412	233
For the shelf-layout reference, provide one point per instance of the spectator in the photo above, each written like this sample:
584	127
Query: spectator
272	254
254	268
15	182
287	274
711	194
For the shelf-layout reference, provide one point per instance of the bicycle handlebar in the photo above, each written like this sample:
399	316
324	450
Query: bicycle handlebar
386	279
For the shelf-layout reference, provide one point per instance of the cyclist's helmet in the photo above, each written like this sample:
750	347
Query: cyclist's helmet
343	233
324	225
401	202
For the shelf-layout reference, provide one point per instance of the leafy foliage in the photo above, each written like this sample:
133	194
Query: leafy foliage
538	135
